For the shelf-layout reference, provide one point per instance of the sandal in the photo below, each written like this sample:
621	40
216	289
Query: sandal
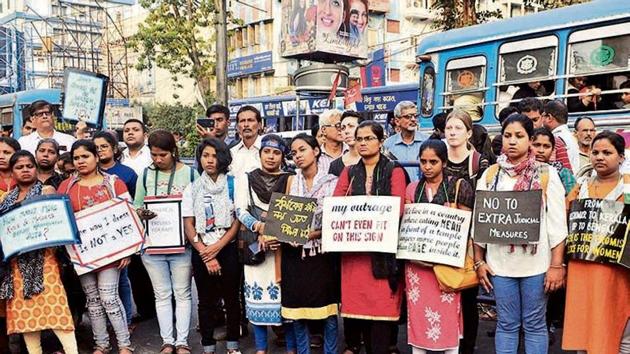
183	349
167	349
101	350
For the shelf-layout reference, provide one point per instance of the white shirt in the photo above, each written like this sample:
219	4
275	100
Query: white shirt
29	142
245	159
573	150
553	231
188	210
138	163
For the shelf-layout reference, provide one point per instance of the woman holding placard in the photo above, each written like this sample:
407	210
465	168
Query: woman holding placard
312	297
371	289
32	287
262	281
440	327
171	274
598	307
211	228
521	275
88	188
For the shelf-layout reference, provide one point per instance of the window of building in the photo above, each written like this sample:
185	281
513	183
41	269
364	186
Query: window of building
427	91
465	85
394	75
598	63
393	26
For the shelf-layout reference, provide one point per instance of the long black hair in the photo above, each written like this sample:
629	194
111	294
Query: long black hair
224	158
111	140
310	141
436	145
164	140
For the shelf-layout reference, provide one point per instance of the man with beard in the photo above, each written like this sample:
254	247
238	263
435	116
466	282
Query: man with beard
333	148
584	132
137	155
405	146
47	155
245	154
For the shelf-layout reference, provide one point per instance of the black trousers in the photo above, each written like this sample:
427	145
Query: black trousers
471	320
377	335
212	288
141	288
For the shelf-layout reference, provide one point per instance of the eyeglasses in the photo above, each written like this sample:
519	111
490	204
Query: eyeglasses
41	114
336	126
410	116
103	147
367	139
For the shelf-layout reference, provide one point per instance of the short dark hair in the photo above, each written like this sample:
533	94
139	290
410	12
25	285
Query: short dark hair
134	120
545	132
218	108
506	112
224	158
530	104
28	119
310	140
558	110
39	104
439	121
250	109
111	140
66	157
354	114
51	141
615	139
163	139
375	127
436	145
86	144
11	142
521	119
577	121
19	154
314	129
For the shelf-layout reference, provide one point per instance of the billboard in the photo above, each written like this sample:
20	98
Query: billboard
250	64
324	30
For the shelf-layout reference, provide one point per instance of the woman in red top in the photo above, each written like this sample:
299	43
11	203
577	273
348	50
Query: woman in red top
371	286
88	188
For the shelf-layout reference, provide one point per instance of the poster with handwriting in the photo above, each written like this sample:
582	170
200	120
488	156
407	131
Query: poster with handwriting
434	233
41	222
165	231
507	217
289	218
109	231
360	224
84	96
598	231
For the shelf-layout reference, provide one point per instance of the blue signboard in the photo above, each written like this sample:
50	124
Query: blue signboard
385	98
250	64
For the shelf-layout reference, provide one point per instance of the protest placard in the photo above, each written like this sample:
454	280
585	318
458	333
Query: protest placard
434	233
108	231
166	230
289	218
40	222
507	217
84	95
360	224
598	231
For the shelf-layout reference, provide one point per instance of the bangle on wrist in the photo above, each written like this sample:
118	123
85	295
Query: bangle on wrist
558	266
478	264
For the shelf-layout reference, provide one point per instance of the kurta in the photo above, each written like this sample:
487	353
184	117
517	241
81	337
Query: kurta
598	297
362	295
46	310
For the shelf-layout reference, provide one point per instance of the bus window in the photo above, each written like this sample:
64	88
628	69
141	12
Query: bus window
465	80
427	91
527	68
598	65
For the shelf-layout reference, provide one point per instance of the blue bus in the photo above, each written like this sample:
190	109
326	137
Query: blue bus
567	54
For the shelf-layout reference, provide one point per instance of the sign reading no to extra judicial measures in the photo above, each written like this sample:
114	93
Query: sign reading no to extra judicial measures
507	217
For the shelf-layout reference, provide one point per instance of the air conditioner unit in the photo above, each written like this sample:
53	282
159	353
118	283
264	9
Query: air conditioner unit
418	13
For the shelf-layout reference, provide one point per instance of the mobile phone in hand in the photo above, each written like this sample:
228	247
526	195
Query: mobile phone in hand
207	123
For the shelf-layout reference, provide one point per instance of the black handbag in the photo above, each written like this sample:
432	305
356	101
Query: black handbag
246	237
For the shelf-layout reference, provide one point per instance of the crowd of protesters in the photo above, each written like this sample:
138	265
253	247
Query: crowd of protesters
243	275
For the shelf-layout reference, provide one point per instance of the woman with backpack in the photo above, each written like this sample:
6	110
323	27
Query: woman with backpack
88	188
522	275
211	228
171	274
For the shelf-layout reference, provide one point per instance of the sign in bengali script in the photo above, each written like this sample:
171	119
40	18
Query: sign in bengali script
289	218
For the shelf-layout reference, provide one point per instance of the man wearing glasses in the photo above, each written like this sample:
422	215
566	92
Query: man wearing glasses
405	146
44	120
333	147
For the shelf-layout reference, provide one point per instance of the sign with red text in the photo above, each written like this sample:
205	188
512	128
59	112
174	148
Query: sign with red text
360	224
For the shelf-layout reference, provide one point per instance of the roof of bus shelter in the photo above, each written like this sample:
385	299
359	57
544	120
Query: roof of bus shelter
569	16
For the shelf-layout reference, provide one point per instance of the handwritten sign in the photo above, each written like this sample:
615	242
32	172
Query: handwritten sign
109	231
598	230
37	223
504	217
166	230
289	217
360	224
434	233
84	96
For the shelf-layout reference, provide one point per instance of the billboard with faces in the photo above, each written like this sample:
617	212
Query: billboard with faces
324	30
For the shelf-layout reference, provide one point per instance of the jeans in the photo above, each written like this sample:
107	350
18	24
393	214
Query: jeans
260	336
212	288
521	300
303	337
171	274
103	302
124	291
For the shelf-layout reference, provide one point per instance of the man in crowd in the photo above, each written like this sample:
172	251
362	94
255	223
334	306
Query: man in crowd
28	126
625	96
350	120
555	118
333	148
245	154
532	108
584	132
405	146
44	118
46	156
439	124
137	155
220	114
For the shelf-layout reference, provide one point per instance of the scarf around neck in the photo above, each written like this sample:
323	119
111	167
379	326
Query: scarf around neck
264	184
381	177
206	190
30	264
